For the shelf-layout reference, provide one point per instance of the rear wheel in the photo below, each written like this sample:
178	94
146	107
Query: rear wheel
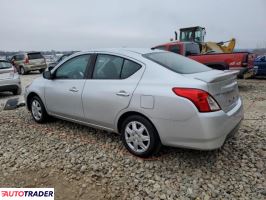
22	70
140	136
37	109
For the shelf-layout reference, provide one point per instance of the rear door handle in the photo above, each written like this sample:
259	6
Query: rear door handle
73	89
122	93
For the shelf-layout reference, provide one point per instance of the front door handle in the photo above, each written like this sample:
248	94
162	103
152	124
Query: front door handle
122	93
73	89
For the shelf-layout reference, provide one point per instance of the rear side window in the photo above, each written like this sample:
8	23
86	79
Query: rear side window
129	68
33	56
176	63
5	65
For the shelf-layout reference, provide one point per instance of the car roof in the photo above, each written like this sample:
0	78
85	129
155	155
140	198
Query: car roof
134	52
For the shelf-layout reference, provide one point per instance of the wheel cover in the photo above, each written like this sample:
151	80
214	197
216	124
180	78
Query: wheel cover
137	137
22	70
36	109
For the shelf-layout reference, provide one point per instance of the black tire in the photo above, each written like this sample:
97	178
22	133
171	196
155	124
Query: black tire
154	144
44	116
41	70
22	71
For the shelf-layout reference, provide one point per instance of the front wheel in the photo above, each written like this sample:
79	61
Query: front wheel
38	111
140	136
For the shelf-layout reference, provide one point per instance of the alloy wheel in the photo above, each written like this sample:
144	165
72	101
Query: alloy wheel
36	109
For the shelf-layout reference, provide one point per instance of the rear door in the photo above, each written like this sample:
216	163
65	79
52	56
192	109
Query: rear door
63	92
110	88
35	60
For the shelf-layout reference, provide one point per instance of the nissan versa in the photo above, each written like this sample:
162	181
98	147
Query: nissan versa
150	97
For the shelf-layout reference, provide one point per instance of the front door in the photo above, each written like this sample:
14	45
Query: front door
63	92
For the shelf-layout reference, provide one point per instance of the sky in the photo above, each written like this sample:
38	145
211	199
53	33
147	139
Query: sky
85	24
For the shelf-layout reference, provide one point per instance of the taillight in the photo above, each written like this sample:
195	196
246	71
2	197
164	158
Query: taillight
26	61
200	98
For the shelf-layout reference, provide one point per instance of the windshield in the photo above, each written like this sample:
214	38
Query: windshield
176	63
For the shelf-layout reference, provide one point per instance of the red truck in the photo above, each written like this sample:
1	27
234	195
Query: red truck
241	61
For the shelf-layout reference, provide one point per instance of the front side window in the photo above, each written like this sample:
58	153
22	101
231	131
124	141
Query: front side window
74	68
107	67
176	63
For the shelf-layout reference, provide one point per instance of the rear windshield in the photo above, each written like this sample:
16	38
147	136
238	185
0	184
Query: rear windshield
33	56
176	63
5	65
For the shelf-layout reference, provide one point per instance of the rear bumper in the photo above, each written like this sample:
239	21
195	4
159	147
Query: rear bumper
205	131
37	67
10	84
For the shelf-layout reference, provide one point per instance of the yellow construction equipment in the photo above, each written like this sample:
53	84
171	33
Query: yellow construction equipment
197	34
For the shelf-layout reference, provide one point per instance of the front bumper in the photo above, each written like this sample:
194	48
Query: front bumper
205	131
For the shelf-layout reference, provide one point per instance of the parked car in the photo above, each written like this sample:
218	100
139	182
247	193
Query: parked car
260	63
61	58
243	62
150	97
26	62
9	78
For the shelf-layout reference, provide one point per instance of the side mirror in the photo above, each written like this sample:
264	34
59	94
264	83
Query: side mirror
47	75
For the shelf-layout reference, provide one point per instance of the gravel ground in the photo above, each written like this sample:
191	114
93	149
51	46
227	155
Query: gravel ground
84	163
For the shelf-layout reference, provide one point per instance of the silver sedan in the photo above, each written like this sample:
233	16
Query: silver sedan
150	97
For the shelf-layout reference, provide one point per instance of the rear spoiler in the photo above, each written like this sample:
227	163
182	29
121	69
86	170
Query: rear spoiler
219	77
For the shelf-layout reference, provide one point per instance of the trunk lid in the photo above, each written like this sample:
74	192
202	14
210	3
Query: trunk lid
222	85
